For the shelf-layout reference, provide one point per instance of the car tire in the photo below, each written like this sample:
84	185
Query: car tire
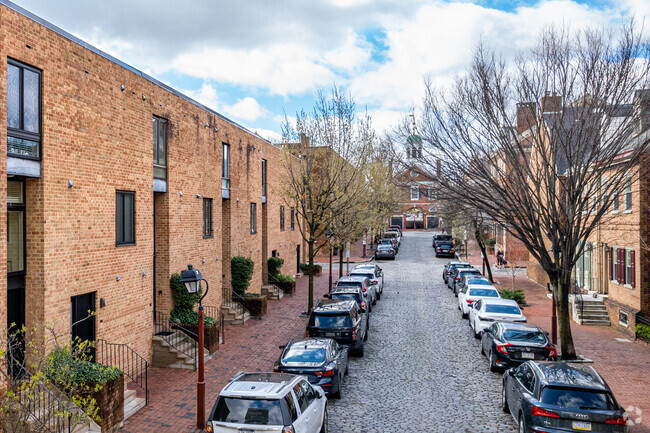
522	424
360	351
325	427
476	334
463	315
365	336
379	296
337	395
347	369
493	367
504	401
483	350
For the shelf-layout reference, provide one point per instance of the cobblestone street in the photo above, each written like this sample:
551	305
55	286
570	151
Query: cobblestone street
422	370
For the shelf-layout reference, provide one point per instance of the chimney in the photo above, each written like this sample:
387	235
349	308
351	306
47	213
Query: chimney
304	140
525	116
437	168
551	103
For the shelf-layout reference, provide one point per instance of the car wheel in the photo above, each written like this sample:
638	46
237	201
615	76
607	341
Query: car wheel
504	401
476	334
482	349
379	296
360	351
325	427
464	315
337	394
347	369
522	424
365	336
493	367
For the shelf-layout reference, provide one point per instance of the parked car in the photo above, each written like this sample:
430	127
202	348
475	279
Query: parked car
473	294
458	274
485	312
393	241
340	320
474	279
262	402
362	282
379	272
353	293
445	250
442	237
385	251
396	227
322	360
396	231
377	282
510	344
449	268
560	397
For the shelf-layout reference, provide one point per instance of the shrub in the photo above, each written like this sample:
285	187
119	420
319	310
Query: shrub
65	368
516	294
190	318
285	278
183	311
304	267
275	263
490	243
251	295
241	272
643	331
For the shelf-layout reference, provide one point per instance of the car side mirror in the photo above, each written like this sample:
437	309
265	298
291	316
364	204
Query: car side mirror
326	296
510	372
282	347
373	284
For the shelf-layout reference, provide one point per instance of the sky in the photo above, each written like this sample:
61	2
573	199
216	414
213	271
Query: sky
255	60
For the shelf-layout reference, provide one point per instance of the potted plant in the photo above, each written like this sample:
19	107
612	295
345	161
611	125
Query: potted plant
285	282
255	304
241	272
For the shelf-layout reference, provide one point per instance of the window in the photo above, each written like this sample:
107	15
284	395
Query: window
253	218
628	194
225	166
431	194
23	110
623	318
207	217
293	219
125	218
616	198
159	148
629	268
264	178
415	193
291	406
281	218
613	258
15	226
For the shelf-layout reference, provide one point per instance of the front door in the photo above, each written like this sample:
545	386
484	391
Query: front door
297	259
83	320
15	323
16	269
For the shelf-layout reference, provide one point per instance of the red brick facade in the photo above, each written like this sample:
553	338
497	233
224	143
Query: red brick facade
418	207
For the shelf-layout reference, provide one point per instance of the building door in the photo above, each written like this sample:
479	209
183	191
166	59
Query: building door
16	268
15	322
298	258
82	320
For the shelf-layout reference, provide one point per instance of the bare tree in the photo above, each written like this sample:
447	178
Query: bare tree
324	173
534	141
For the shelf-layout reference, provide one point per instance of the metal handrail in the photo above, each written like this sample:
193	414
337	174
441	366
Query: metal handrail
51	412
134	366
184	341
215	312
232	300
275	289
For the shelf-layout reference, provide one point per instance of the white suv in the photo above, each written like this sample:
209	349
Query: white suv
262	402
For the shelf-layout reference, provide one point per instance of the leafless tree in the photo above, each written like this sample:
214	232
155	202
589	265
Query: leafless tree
544	143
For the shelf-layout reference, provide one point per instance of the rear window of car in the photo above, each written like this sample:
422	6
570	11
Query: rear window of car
443	237
478	281
329	321
384	247
367	275
300	353
351	296
349	284
249	411
444	246
521	335
578	399
488	293
502	309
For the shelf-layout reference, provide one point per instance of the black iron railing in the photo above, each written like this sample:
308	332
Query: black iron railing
275	289
214	312
181	339
134	366
232	300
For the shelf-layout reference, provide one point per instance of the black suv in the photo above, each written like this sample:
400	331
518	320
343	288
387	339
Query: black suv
340	320
442	238
559	396
449	269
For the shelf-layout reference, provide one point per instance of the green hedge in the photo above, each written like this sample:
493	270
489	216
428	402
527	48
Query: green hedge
184	301
285	278
643	331
516	294
275	264
241	272
65	368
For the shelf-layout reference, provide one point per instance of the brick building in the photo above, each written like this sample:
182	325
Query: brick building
113	182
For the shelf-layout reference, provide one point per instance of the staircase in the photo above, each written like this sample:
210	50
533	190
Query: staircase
273	292
233	317
175	350
132	403
588	310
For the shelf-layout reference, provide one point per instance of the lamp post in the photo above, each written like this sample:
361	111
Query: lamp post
192	279
329	234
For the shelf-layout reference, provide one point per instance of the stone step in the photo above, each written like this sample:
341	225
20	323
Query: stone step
596	322
133	406
129	395
272	292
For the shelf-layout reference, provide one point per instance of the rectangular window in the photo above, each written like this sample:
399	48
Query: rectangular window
628	194
613	257
125	218
623	318
253	218
23	111
225	166
159	148
616	197
264	178
630	277
603	192
15	226
293	219
207	217
415	193
281	218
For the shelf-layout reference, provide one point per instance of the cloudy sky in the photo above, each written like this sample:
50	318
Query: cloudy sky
253	60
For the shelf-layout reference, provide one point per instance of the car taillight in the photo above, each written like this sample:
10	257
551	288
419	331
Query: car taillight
538	411
354	335
324	372
364	290
208	427
502	348
457	278
307	333
437	249
616	421
363	304
551	351
288	429
375	282
469	301
451	250
276	370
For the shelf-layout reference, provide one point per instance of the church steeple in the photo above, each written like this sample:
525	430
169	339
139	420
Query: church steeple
413	143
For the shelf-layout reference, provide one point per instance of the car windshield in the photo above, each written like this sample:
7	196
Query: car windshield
502	309
578	399
249	411
302	353
522	335
384	247
351	296
478	281
488	293
348	284
328	321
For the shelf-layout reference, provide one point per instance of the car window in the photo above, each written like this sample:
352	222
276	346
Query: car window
329	321
309	395
301	353
478	281
578	399
249	411
477	305
527	379
367	275
491	293
493	329
523	335
502	309
292	406
349	284
351	296
300	396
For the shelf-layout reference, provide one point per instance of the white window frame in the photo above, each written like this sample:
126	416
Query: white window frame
628	193
417	193
627	267
614	253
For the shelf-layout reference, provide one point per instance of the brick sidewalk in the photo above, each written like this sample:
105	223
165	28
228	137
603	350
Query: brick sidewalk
356	254
250	347
624	364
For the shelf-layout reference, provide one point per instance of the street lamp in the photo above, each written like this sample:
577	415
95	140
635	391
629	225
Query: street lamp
329	234
192	279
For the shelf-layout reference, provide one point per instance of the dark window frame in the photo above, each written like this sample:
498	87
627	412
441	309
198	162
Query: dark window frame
264	171
20	133
281	218
125	242
253	217
207	218
157	122
225	166
293	219
20	207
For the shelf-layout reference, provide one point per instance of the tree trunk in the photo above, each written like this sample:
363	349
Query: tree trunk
340	262
562	287
310	302
481	245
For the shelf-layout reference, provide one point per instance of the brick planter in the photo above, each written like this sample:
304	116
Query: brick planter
210	335
255	306
288	287
110	401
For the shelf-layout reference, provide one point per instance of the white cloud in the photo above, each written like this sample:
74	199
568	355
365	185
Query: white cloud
272	136
206	95
245	109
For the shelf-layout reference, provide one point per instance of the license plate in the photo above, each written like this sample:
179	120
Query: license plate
581	425
245	430
330	334
445	251
527	355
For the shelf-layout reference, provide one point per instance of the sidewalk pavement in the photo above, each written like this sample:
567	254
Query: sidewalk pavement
356	254
623	363
252	346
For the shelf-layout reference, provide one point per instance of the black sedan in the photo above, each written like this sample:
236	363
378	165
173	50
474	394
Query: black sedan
555	397
445	250
322	360
384	251
510	344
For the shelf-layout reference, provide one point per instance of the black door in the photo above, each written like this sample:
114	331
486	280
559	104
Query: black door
83	321
15	323
297	259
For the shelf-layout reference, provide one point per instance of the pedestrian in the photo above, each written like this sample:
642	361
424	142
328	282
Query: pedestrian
500	261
